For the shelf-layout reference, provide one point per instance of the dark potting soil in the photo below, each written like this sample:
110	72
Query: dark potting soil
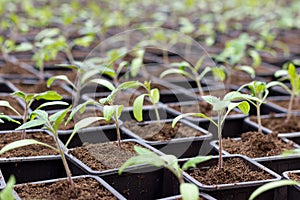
285	104
39	87
10	68
103	156
14	103
30	150
201	107
294	176
234	170
84	188
278	124
256	144
161	131
87	113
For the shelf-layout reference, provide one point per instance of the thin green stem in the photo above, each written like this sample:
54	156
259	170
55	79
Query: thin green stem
289	112
258	117
156	112
220	163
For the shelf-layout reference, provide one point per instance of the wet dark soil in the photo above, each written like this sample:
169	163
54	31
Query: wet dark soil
255	144
10	68
84	188
162	131
234	170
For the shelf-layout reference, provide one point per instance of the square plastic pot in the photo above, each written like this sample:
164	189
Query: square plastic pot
101	181
90	171
292	191
241	190
276	163
180	147
2	181
201	195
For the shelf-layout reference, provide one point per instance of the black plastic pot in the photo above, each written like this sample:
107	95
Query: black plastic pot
277	163
144	183
237	191
277	107
5	87
180	147
90	171
101	181
175	96
292	191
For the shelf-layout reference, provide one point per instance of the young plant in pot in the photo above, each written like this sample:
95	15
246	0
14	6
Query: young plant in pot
28	99
188	191
194	73
51	123
85	77
223	108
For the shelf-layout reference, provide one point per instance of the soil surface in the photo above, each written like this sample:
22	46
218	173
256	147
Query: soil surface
161	132
255	144
87	113
234	170
39	87
278	124
202	107
10	68
294	176
31	150
14	103
285	104
103	156
84	188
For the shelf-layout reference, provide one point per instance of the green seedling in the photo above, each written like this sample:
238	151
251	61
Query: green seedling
28	99
110	110
153	95
290	73
188	191
223	108
7	192
259	90
85	76
194	73
51	123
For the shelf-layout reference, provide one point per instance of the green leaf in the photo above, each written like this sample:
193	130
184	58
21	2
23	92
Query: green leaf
49	32
30	124
218	73
154	96
247	69
49	95
7	192
138	107
136	64
108	112
104	82
8	118
280	73
88	74
58	119
234	95
270	186
194	161
60	77
179	117
22	143
25	46
41	114
174	71
244	107
81	108
19	94
189	191
53	103
84	41
142	151
255	57
7	104
69	66
211	99
82	124
292	71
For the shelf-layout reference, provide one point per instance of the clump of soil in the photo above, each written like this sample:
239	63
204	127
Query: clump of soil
13	102
39	87
294	176
103	156
87	113
84	188
10	68
161	131
234	170
256	144
285	104
201	107
277	123
31	150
